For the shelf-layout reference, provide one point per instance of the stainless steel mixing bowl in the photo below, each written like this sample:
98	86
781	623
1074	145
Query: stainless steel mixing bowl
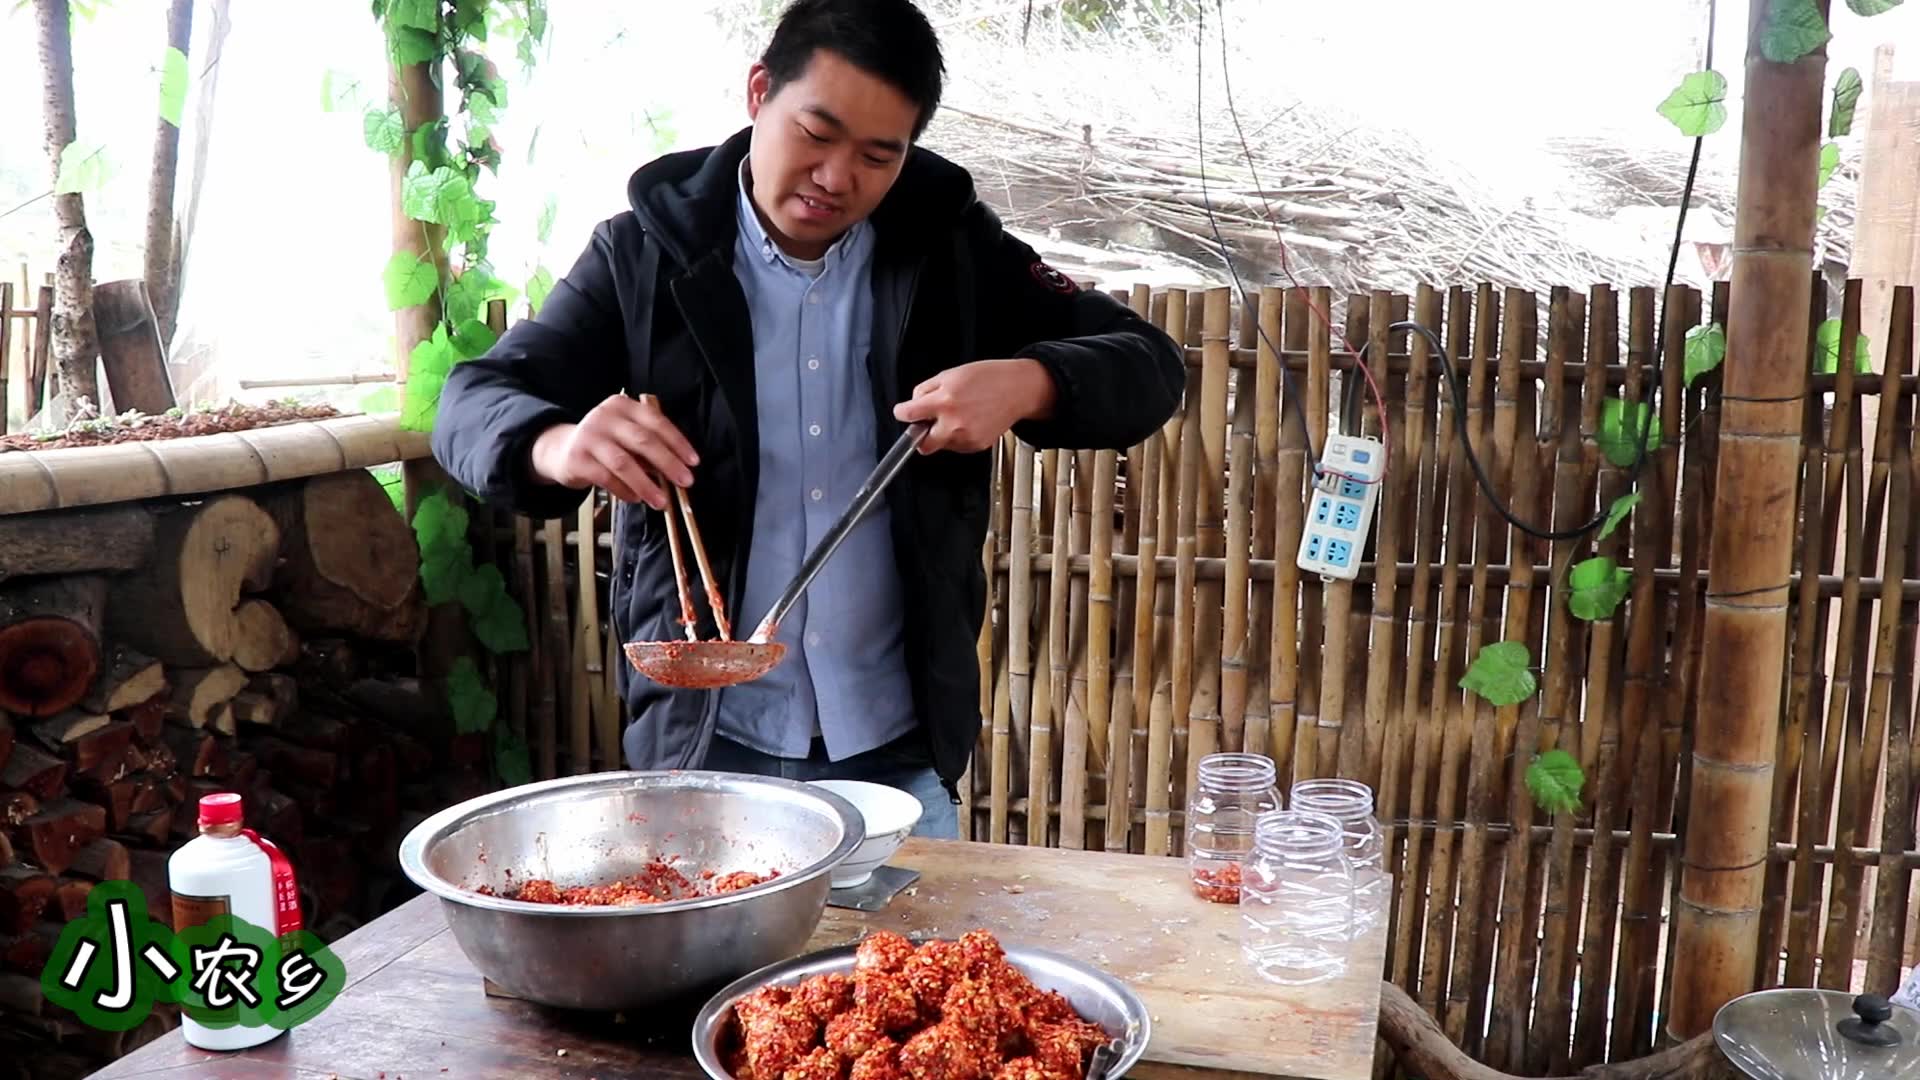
591	829
1094	994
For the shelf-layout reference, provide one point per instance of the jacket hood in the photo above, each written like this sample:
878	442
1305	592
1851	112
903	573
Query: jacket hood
686	199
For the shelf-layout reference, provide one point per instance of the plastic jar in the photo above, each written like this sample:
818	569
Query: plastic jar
1296	901
1350	802
1232	790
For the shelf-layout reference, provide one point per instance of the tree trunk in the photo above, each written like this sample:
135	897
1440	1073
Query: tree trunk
183	609
130	348
50	643
118	538
166	166
1723	871
75	344
215	41
1423	1050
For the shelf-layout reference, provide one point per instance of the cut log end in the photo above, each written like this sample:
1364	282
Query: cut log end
46	665
262	640
185	609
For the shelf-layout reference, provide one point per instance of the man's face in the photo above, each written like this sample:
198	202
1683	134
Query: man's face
826	149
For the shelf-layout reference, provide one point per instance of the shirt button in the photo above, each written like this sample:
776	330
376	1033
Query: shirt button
814	430
813	298
813	363
818	494
813	639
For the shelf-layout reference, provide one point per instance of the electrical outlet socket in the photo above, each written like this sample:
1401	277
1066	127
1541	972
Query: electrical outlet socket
1337	520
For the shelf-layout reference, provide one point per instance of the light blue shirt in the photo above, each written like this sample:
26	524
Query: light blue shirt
844	676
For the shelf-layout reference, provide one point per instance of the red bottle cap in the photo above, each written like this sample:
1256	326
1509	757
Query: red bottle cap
221	809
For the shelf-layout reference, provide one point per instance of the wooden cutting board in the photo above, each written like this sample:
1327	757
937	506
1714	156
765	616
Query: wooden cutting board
1135	917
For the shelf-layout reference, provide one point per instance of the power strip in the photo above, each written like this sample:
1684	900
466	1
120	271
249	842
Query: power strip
1341	511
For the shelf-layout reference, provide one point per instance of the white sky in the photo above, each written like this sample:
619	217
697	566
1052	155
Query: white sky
294	220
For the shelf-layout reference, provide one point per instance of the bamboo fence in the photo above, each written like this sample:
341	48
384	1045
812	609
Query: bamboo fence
26	329
1146	610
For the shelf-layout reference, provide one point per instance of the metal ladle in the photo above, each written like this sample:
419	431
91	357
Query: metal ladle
694	664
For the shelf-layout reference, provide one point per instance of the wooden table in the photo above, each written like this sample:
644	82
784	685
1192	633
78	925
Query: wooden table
415	1008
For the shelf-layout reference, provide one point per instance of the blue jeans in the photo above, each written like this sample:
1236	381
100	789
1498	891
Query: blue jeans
892	765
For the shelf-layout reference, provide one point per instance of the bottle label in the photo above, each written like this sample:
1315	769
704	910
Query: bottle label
191	911
286	890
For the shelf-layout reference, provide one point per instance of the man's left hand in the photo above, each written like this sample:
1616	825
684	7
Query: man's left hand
972	405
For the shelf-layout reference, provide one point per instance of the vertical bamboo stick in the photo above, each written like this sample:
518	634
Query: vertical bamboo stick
1162	751
1050	704
1288	310
1467	999
1894	653
1411	905
1383	653
1237	643
1446	714
1263	388
1506	1037
555	679
1019	641
1745	626
1577	416
1861	759
1103	733
1204	712
1309	715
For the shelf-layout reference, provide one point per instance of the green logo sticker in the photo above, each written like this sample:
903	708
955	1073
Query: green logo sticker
112	966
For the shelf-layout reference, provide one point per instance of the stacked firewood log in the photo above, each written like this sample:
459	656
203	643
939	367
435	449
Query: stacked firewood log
259	641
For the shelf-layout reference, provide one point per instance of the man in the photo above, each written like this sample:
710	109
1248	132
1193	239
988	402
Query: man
759	328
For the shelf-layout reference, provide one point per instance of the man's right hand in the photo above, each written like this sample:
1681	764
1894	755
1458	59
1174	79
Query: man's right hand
622	445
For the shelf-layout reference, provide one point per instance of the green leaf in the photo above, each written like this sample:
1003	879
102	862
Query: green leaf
1829	161
410	280
494	616
1698	106
1827	350
434	356
422	402
511	760
339	90
173	86
538	286
537	18
1500	674
470	18
84	168
430	143
419	14
1598	586
1873	7
384	400
1794	28
473	704
544	229
1620	422
1706	350
1555	779
414	47
442	197
1618	512
472	338
439	521
384	130
1846	96
392	482
467	297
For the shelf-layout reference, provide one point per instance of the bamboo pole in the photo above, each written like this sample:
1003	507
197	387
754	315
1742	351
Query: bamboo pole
1723	868
1286	312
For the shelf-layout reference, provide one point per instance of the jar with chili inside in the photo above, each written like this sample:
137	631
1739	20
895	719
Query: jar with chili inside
1232	791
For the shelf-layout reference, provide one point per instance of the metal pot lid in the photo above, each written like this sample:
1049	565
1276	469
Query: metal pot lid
1805	1034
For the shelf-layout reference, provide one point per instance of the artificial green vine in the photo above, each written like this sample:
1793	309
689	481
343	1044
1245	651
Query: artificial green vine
1697	107
442	188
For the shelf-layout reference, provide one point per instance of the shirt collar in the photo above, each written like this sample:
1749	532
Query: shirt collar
756	234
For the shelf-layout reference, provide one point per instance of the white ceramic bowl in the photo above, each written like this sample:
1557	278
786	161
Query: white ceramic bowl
891	815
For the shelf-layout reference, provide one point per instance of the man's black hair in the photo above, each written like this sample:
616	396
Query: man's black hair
890	39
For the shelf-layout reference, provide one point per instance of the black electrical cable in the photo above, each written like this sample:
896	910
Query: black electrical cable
1433	339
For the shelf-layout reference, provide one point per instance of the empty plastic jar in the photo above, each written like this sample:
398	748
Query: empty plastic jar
1232	790
1350	802
1296	899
